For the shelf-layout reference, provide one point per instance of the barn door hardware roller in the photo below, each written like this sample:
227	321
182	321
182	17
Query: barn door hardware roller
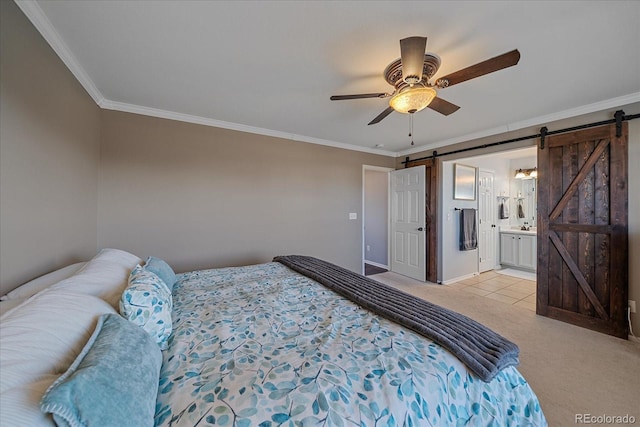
619	116
543	134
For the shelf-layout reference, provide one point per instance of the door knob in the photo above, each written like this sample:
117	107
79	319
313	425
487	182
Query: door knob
420	228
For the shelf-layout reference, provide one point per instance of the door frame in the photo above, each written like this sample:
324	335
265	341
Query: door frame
364	213
433	182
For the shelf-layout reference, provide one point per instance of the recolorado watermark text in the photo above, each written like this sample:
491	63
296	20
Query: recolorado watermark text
605	419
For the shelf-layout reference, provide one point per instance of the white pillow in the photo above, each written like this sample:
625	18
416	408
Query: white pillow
7	305
34	286
104	276
38	342
20	406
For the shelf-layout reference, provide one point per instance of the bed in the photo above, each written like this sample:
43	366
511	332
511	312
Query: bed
259	345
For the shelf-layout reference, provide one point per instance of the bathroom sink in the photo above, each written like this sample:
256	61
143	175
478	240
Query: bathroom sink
519	228
516	229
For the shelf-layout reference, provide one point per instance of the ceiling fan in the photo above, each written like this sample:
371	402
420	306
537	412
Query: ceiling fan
410	75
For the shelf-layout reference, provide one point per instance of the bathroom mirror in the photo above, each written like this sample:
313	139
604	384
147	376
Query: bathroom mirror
523	202
464	182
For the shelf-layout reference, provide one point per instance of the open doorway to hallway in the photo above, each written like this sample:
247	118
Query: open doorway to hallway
375	219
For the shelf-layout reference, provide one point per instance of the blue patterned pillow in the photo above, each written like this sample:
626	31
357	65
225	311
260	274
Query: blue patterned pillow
147	302
162	270
113	381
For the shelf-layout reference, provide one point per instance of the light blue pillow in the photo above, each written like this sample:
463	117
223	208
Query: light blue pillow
113	381
162	270
147	303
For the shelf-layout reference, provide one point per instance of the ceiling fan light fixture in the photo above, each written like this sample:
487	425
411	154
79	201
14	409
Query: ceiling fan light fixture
412	99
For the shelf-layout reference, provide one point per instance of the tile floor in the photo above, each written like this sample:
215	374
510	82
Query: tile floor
500	287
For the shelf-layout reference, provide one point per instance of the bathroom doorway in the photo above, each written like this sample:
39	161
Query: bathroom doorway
503	207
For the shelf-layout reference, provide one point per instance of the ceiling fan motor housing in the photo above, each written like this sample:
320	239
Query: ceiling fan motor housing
393	72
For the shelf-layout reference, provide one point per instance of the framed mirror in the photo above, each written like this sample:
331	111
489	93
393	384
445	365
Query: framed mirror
523	201
464	182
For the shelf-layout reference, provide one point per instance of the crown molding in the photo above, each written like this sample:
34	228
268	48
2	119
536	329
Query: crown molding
172	115
578	111
34	13
32	10
536	121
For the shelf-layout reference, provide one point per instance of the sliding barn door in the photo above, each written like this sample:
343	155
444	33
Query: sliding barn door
582	229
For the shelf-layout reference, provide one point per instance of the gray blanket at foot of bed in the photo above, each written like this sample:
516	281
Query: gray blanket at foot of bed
482	350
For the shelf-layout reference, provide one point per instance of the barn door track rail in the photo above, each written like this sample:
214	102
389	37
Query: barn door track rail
619	117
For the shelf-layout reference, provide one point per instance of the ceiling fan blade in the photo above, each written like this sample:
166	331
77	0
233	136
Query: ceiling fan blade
381	116
359	96
442	106
499	62
412	56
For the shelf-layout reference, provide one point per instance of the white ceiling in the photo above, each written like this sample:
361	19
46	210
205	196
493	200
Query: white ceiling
270	66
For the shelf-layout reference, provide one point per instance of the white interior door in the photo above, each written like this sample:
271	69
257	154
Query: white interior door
408	222
486	222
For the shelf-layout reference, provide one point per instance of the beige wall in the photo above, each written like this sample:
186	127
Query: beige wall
49	147
203	197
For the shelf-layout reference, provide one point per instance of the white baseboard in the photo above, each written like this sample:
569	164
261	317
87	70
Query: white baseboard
457	279
375	264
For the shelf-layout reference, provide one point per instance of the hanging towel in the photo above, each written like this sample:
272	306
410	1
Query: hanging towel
501	213
468	233
506	210
520	209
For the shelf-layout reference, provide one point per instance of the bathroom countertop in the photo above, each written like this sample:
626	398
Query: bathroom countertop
518	231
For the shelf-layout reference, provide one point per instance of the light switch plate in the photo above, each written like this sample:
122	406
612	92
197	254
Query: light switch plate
353	215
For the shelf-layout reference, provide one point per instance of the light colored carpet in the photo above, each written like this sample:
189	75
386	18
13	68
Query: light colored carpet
572	370
517	273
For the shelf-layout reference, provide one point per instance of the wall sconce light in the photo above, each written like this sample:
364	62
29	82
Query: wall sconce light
527	173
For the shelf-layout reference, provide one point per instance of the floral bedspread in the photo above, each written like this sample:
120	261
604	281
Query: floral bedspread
264	346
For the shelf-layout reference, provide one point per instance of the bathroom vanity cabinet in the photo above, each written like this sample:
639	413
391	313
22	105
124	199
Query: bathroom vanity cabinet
518	249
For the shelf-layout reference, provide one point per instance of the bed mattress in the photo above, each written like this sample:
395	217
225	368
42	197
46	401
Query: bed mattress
263	345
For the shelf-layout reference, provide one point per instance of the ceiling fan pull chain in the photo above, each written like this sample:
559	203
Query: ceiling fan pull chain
411	127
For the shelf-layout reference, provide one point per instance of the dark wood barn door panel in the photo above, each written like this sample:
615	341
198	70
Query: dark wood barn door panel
582	229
